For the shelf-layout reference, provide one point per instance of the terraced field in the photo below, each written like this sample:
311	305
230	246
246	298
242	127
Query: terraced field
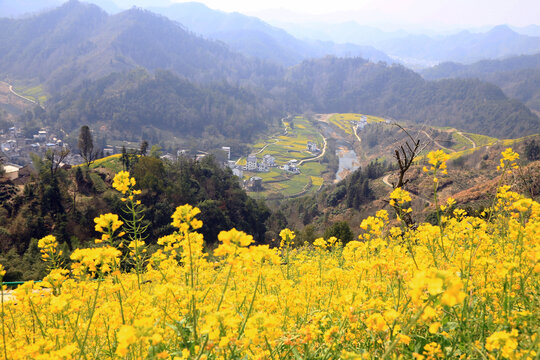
346	121
35	93
291	144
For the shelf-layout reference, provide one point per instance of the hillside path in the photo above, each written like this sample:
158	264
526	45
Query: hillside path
356	134
437	143
468	138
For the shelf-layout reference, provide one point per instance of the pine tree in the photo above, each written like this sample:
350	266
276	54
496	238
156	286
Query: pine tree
86	145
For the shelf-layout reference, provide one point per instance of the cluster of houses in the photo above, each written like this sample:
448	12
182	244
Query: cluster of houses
361	124
15	149
267	162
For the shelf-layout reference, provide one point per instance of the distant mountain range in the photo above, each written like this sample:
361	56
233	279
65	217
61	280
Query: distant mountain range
254	37
518	77
466	47
427	50
68	49
21	8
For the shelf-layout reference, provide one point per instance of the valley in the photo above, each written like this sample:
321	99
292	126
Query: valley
297	171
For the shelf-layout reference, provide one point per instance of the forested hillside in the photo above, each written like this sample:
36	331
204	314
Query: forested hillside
347	85
65	203
517	76
135	104
254	37
79	41
209	87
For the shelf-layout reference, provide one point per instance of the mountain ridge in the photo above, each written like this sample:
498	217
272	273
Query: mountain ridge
37	48
252	36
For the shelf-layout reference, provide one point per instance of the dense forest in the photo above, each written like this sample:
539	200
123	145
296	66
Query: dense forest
137	104
65	202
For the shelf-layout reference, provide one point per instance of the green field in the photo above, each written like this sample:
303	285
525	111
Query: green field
460	142
293	145
481	140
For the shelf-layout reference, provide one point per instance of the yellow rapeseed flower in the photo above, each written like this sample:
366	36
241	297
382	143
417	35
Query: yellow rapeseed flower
400	196
122	182
107	222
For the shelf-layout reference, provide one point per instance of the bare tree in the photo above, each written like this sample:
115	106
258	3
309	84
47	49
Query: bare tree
405	156
55	157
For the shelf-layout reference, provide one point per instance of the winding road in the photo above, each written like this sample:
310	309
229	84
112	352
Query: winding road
17	94
468	138
318	156
356	134
437	143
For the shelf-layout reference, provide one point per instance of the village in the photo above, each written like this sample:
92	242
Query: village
16	150
299	144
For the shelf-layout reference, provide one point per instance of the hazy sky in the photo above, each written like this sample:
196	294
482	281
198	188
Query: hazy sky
445	13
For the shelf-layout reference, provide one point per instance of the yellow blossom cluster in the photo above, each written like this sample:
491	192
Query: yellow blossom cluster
102	259
508	160
107	224
107	221
287	237
465	290
503	342
437	160
400	196
48	246
122	182
184	218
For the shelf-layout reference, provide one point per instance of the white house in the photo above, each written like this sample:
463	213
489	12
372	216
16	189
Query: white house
292	166
269	160
312	147
261	167
227	150
238	172
251	163
12	171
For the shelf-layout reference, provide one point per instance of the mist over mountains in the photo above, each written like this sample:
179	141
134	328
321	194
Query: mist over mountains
254	37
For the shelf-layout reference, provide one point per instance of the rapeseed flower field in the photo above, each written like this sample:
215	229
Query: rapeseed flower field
466	288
